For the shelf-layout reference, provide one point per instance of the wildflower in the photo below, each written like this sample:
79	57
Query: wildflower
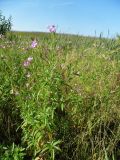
27	85
30	59
26	63
33	44
52	29
28	75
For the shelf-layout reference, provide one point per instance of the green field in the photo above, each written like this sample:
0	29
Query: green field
61	99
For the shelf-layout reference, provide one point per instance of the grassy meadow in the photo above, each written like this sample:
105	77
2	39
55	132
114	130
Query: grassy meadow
61	99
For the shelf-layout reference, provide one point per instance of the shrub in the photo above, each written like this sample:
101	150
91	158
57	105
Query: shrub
5	24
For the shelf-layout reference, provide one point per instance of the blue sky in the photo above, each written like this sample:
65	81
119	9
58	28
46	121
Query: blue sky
84	17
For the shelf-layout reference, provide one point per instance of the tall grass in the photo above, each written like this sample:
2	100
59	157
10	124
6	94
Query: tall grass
65	104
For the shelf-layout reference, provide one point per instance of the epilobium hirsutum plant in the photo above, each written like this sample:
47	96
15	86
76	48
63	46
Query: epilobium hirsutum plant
67	106
33	44
52	28
27	62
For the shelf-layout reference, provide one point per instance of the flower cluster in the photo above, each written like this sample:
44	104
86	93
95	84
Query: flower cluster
33	44
52	28
27	62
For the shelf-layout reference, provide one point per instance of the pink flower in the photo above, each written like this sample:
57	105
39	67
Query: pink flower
33	44
26	63
52	28
30	59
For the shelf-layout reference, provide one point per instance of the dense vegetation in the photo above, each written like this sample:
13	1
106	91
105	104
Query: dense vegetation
5	24
59	100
